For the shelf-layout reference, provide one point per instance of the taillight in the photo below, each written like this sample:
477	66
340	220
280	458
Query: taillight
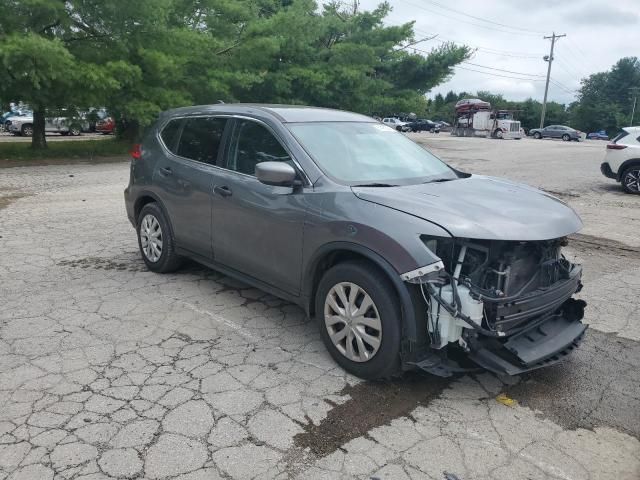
615	146
136	151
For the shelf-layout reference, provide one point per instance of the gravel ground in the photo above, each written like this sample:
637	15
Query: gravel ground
110	371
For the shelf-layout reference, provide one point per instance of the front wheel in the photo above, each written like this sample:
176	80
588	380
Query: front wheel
75	131
631	179
537	135
566	138
155	240
360	321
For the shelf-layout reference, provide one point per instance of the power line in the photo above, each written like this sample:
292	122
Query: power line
482	19
499	75
515	32
502	70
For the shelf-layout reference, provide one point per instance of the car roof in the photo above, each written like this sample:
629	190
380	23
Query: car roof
631	129
283	113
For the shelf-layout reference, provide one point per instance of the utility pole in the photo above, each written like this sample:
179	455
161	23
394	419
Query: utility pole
549	60
635	91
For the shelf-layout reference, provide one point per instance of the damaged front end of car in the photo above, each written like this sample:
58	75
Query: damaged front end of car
506	305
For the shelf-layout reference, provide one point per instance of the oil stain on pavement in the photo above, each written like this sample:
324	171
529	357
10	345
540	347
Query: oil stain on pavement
371	404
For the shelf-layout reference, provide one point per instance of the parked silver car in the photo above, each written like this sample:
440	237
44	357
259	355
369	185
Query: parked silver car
404	261
62	125
556	131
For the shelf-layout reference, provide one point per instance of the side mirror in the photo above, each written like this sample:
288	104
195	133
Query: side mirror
276	173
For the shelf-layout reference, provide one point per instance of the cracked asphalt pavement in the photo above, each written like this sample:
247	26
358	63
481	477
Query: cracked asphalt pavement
110	371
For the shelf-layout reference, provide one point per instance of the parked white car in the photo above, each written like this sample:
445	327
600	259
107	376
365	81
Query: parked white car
62	125
622	159
396	124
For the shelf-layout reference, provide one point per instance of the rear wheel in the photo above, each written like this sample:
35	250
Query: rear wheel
631	179
155	240
359	318
74	130
27	130
566	137
537	135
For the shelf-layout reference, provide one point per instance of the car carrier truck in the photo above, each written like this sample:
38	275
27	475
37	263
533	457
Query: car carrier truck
475	118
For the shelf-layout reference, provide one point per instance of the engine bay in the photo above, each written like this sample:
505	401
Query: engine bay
497	288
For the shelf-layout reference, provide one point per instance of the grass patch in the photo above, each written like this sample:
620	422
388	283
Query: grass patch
72	149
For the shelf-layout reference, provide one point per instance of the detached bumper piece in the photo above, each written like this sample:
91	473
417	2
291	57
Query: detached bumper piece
541	346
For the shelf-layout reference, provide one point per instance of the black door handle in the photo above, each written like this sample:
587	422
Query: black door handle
166	171
223	191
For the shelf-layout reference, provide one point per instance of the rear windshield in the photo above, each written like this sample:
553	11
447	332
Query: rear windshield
620	136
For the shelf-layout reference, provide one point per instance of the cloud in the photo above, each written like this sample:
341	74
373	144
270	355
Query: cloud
602	16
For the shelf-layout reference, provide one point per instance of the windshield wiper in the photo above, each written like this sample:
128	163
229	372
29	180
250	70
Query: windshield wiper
440	180
375	185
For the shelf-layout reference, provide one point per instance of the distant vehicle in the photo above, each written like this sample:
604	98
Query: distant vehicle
474	118
8	117
63	125
396	123
106	125
556	131
423	125
599	135
622	159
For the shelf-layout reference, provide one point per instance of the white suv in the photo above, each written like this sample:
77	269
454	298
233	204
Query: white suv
395	123
622	160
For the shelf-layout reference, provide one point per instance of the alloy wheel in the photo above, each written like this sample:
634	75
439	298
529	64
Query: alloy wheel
632	180
352	321
151	238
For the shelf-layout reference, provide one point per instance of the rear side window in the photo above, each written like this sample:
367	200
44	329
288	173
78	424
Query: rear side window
170	133
201	138
620	136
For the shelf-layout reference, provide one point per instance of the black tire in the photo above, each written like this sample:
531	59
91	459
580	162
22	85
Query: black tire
537	135
628	184
26	130
566	137
169	260
385	363
75	130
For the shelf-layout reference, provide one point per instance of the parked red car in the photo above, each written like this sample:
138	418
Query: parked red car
106	126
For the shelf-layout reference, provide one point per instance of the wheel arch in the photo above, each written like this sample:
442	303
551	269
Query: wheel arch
626	164
337	252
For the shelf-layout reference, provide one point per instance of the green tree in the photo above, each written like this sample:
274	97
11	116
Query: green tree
603	100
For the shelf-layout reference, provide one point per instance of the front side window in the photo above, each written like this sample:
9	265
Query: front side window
359	153
251	144
201	138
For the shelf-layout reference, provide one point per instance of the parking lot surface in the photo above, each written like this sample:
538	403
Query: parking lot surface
110	371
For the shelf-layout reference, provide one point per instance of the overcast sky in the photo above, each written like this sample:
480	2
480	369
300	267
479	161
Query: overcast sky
598	34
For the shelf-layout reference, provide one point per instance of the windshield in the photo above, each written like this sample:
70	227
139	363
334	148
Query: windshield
368	153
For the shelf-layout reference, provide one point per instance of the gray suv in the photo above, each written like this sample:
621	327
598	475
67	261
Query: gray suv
403	261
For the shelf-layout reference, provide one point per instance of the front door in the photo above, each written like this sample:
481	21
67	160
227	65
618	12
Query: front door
186	176
257	228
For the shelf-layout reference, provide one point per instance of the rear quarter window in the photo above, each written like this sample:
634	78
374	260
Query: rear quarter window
169	135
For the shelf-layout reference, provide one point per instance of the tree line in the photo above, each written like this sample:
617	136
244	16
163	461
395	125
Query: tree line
604	102
138	58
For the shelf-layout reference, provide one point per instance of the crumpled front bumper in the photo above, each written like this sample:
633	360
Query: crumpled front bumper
539	346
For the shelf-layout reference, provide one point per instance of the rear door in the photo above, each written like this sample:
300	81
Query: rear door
257	228
186	176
